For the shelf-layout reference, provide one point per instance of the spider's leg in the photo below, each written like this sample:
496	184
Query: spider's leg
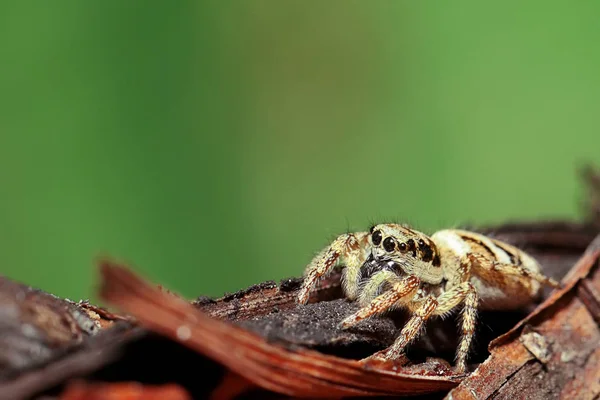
489	268
463	293
412	328
349	247
404	288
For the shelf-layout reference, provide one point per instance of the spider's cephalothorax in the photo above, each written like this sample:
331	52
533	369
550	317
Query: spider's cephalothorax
394	266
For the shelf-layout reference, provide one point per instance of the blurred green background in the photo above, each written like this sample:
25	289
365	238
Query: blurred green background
213	145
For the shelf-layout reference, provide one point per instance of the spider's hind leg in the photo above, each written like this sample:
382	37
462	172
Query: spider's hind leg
350	248
489	269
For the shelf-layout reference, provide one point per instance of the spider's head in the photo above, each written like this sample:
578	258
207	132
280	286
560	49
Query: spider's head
412	250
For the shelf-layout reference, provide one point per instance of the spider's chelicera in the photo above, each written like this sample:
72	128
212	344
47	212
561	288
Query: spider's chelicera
393	266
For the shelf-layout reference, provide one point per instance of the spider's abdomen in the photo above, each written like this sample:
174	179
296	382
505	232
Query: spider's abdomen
497	290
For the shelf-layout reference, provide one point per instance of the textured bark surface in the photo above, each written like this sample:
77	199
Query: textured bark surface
258	343
550	353
292	350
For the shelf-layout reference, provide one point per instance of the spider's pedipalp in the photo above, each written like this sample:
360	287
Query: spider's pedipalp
374	286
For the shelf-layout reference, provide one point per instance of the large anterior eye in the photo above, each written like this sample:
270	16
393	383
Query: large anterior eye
376	238
388	244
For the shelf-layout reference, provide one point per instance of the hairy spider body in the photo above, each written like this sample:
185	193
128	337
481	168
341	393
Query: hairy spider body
393	266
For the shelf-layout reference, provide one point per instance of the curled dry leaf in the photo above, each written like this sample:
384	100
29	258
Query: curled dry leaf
294	372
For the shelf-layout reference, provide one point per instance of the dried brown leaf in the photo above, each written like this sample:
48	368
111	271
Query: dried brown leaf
294	372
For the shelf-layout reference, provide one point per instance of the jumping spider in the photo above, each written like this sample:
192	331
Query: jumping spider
393	266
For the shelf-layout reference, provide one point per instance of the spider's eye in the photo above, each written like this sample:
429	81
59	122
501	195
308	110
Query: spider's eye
421	243
410	245
388	244
371	229
402	247
376	238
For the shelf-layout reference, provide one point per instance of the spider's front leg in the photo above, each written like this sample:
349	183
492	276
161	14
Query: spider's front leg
465	294
349	247
401	291
412	328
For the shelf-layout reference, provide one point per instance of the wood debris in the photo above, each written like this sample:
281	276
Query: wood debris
258	343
